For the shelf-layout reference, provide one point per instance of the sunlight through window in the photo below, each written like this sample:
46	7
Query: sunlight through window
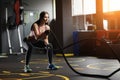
111	5
80	7
105	24
89	6
76	7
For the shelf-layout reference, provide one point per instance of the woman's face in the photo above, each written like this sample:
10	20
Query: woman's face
46	18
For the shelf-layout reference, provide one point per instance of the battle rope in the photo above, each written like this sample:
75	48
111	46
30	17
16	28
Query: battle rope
85	74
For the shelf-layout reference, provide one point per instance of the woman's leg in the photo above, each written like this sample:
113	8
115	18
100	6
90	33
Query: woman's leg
28	55
49	51
27	59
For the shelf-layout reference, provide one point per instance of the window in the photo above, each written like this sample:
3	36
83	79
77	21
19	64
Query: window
89	6
111	5
76	7
80	7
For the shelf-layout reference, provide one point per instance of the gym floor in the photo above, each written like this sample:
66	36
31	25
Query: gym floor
11	68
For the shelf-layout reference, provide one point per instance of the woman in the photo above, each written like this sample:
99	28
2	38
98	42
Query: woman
39	37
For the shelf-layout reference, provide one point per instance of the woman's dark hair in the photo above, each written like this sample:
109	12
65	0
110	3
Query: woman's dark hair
42	14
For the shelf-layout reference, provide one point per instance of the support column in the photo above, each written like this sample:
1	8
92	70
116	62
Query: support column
99	14
64	28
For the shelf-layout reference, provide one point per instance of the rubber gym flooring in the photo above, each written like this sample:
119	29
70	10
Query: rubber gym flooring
11	68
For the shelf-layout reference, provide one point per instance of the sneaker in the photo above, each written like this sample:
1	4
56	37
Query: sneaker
52	67
27	68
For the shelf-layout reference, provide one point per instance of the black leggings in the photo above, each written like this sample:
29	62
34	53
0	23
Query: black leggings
40	44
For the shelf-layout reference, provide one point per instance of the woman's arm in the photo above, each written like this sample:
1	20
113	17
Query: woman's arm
36	30
47	28
39	34
46	40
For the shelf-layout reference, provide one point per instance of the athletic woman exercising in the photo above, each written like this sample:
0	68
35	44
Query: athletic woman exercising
38	37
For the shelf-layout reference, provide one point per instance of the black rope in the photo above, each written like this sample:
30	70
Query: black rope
85	74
